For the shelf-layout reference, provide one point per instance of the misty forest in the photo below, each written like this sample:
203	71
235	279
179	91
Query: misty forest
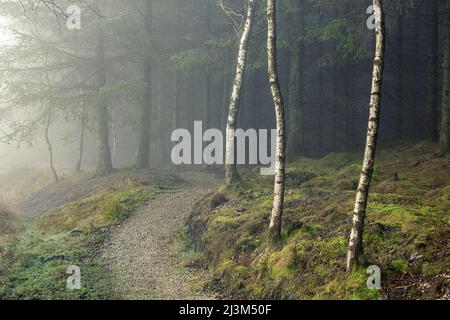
224	149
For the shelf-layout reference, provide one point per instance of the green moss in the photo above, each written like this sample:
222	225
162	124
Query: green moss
351	286
400	265
184	248
434	269
35	263
446	195
113	211
39	270
408	212
280	264
391	215
241	186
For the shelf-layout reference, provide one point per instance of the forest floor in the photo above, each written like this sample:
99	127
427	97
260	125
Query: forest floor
118	230
139	252
407	231
158	235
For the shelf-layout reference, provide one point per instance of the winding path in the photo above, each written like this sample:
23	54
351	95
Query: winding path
138	251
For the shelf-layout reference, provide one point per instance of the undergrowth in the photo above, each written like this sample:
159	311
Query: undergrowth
406	234
34	261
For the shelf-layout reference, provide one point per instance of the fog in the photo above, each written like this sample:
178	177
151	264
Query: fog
191	73
272	141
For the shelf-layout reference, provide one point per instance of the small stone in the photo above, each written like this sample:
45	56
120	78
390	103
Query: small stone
415	257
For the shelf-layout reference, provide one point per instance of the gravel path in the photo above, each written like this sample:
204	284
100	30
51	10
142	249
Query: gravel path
138	250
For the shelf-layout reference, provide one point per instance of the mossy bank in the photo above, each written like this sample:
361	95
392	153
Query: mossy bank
406	235
35	257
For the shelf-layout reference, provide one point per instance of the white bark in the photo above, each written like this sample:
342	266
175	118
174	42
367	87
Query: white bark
355	253
279	188
233	109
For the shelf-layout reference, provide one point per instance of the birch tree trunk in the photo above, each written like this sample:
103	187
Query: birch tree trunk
231	174
279	188
445	125
104	164
143	152
355	253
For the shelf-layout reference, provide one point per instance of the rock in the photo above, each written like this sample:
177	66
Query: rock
416	257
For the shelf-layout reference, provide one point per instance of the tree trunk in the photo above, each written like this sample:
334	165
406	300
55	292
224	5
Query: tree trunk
279	188
433	58
296	84
143	153
335	128
254	101
355	253
226	87
104	164
48	124
49	144
113	134
231	174
83	128
336	102
349	113
209	77
416	115
399	80
177	107
445	124
321	119
209	111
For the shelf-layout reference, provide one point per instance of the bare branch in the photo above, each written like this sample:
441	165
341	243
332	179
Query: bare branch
232	15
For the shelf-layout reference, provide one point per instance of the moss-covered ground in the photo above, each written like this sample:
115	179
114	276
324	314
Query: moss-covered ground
407	229
35	257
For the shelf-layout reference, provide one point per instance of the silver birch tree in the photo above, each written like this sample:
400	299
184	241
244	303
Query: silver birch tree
231	173
279	188
355	253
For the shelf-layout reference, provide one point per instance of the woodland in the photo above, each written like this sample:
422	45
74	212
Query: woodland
225	149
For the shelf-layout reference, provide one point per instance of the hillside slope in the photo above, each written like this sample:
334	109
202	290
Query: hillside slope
407	232
70	222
